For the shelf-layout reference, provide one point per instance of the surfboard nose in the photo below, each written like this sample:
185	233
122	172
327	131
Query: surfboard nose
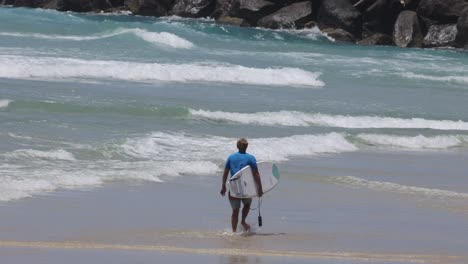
275	172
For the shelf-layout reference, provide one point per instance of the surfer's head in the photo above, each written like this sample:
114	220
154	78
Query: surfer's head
242	145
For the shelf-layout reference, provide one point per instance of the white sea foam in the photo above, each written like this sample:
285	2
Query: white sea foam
397	188
164	38
4	103
312	33
58	154
13	135
293	118
448	78
156	157
65	68
21	182
12	189
178	146
416	142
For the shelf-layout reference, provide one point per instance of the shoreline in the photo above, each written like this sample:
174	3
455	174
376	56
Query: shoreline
308	218
238	252
406	23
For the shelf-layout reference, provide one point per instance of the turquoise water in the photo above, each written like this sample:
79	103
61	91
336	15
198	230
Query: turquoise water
89	99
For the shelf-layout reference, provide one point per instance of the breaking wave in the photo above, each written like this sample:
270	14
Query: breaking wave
449	78
188	147
301	119
21	67
415	142
164	38
59	154
4	103
398	188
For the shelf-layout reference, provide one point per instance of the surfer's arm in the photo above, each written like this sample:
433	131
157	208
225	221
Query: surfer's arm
223	183
258	182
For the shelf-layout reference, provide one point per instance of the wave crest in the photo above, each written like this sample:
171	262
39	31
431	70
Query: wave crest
59	154
164	38
65	68
301	119
397	188
178	146
415	142
4	103
449	78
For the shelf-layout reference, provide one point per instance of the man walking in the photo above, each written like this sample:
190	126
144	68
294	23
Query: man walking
234	163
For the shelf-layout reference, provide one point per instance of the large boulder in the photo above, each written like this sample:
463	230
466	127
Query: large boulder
377	39
339	34
69	5
292	16
462	28
443	11
249	10
440	36
340	14
25	3
253	10
19	3
192	8
234	21
74	5
380	16
149	7
227	8
407	32
106	4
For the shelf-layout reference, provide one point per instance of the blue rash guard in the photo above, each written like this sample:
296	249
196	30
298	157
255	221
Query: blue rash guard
239	160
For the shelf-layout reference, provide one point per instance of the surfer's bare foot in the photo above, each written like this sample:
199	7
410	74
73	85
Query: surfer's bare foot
246	226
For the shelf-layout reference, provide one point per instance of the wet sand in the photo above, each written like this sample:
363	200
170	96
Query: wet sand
311	217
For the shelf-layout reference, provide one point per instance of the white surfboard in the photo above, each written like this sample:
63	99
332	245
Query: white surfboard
242	184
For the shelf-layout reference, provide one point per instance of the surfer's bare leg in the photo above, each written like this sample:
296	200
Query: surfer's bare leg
245	212
234	219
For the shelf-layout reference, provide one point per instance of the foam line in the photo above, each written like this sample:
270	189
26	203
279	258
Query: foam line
164	38
58	154
357	256
21	67
173	146
448	78
302	119
4	103
398	188
416	142
156	157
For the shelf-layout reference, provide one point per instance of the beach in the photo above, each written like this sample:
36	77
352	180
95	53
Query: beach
115	129
306	220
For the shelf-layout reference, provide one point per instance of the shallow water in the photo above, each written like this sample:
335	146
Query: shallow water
87	100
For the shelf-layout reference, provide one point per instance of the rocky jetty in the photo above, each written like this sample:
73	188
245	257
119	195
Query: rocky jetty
404	23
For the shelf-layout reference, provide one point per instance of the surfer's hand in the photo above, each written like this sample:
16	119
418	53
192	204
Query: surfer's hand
223	190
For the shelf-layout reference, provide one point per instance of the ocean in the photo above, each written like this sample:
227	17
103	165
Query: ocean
88	100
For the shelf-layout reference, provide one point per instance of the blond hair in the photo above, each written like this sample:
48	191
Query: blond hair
242	144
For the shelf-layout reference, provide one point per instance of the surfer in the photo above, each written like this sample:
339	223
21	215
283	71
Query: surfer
234	163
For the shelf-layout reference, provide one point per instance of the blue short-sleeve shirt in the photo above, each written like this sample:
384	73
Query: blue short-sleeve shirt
235	162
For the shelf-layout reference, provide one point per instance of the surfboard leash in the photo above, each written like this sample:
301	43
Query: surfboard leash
260	200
